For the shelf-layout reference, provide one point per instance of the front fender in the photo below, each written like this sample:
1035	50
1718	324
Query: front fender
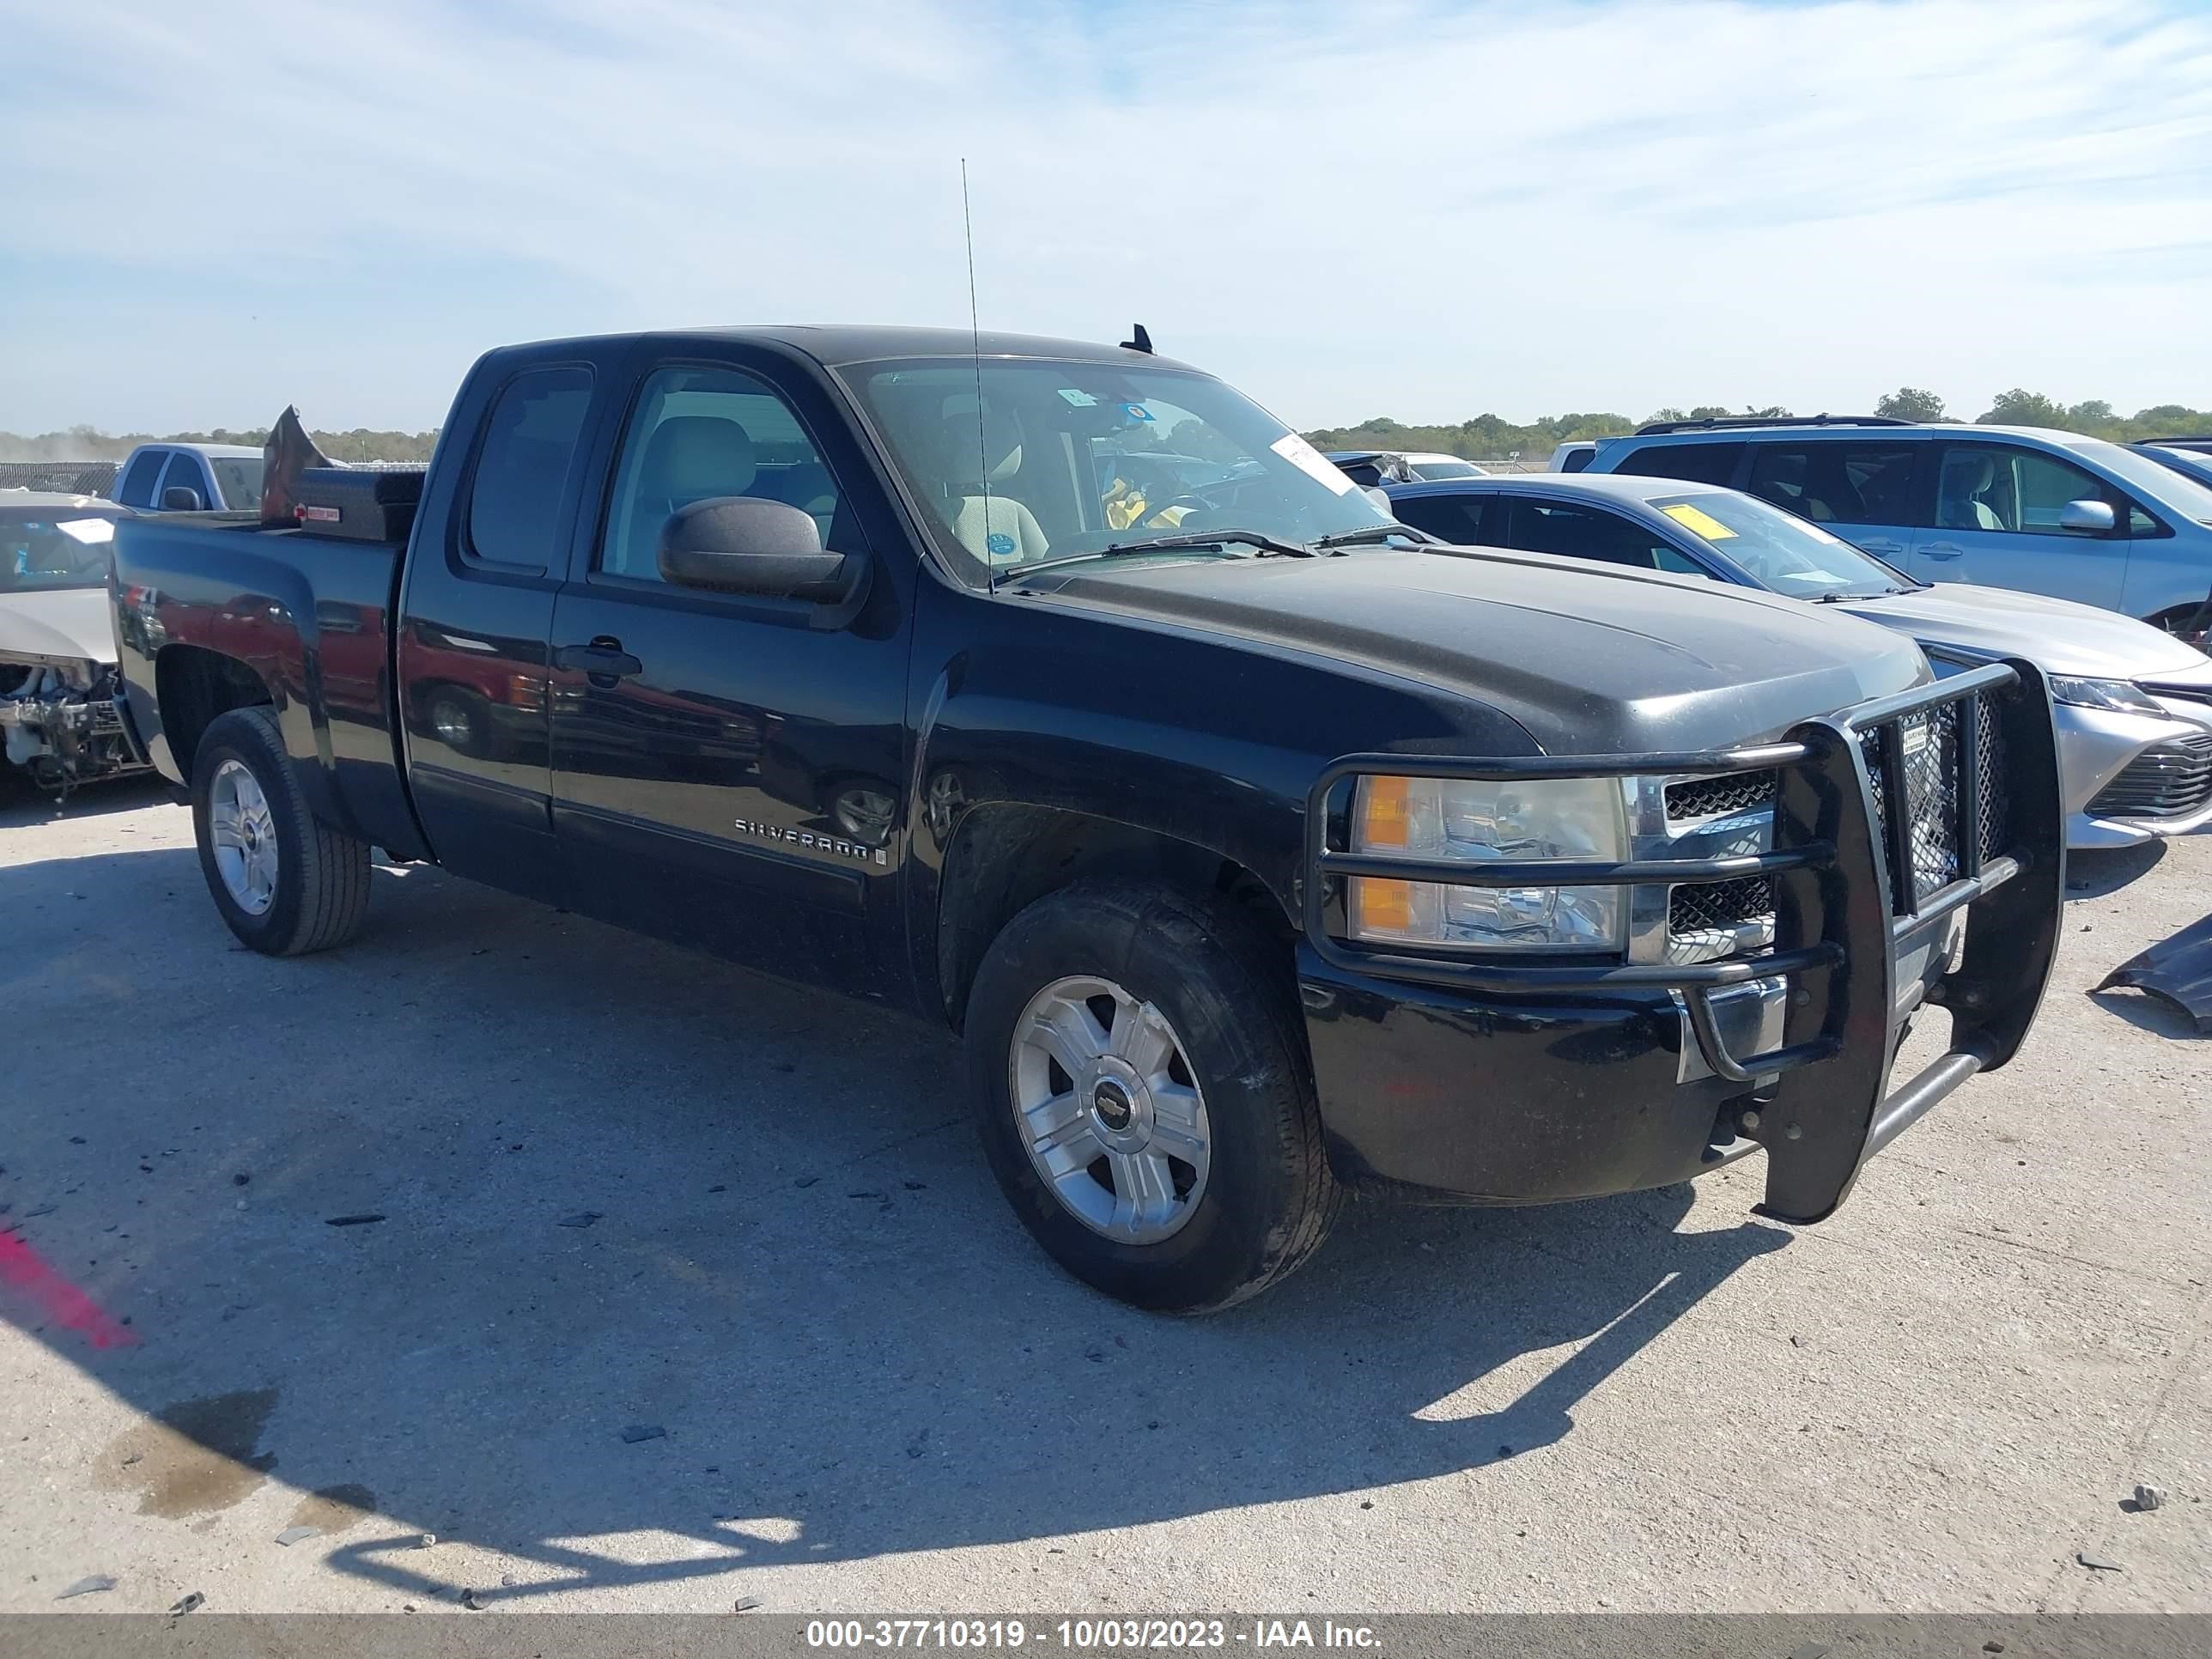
1208	742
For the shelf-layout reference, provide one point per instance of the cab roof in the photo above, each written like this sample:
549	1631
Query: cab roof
835	345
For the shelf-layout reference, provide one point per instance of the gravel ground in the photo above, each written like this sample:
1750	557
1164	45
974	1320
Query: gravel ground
868	1390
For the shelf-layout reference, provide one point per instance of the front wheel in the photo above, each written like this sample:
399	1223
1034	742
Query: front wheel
285	884
1144	1096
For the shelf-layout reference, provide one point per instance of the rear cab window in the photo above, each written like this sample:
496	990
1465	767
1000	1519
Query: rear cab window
524	466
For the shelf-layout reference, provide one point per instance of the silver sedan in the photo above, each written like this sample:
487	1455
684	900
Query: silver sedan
2133	703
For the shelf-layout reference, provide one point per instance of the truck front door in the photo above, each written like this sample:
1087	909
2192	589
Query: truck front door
728	771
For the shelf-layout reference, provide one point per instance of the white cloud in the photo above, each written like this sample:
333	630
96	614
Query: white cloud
1421	209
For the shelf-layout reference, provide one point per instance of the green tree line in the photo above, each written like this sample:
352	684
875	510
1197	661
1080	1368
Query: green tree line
1492	437
86	443
1485	438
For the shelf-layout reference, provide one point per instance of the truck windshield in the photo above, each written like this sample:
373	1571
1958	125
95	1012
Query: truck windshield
1779	550
36	554
1051	460
239	478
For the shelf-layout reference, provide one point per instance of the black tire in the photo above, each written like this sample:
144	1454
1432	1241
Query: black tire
320	895
1227	990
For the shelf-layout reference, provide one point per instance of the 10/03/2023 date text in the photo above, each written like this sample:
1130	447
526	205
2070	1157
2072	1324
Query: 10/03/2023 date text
1087	1635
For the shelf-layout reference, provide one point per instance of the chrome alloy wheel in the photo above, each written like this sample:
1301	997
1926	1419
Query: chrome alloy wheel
1110	1110
244	833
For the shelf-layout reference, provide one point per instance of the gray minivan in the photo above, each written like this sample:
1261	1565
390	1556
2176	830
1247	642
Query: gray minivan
1999	506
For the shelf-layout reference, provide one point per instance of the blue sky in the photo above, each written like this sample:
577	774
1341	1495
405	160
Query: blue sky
1423	210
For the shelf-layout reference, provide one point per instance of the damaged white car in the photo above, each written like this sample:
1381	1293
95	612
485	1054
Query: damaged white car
58	718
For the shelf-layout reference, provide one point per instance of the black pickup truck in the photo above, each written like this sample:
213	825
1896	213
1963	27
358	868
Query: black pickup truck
1059	693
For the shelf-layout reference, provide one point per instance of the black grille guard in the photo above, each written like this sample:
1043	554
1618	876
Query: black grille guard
1845	916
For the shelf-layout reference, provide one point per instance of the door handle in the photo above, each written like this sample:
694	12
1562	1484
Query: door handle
603	659
1942	550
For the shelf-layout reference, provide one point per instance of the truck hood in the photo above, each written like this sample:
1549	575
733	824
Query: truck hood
2057	635
1587	660
71	623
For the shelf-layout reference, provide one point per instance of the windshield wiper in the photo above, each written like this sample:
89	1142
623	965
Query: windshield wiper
1372	533
1267	546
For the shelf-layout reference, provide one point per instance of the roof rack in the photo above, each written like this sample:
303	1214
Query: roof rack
1650	427
2186	441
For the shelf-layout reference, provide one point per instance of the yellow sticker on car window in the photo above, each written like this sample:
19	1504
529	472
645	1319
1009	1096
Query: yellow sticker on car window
1699	522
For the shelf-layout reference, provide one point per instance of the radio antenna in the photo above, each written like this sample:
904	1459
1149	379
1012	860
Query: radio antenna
975	345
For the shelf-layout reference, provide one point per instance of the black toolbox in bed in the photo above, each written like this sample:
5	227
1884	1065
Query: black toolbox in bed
369	504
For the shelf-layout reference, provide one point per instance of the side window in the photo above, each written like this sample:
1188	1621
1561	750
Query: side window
1457	519
1992	487
698	432
137	487
182	472
1712	464
522	469
1832	482
1580	532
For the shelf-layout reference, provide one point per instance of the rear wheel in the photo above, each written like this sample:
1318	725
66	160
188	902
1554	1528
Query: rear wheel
1143	1092
285	884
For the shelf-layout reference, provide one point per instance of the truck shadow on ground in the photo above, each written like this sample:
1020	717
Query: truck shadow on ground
22	803
797	1269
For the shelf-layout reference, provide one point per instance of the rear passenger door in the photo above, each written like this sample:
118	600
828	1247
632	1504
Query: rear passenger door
476	610
1865	490
729	771
1995	523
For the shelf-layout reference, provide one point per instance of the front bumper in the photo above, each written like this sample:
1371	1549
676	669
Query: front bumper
1511	1082
2132	778
67	742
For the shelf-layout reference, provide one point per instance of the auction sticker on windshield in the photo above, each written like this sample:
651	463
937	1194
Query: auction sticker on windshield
1699	522
1311	462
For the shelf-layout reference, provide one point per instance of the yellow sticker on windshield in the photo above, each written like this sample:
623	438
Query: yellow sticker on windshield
1698	523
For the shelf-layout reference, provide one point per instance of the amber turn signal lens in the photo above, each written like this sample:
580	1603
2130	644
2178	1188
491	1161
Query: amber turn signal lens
1382	906
1385	815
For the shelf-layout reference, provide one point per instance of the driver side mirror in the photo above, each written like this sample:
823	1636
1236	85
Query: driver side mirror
182	498
746	544
1383	503
2087	518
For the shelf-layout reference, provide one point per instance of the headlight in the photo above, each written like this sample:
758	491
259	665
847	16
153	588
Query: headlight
1444	819
2117	696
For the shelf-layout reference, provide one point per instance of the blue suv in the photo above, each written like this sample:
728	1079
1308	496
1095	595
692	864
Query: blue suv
1999	506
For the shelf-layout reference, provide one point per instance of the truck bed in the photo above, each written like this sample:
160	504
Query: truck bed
311	614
